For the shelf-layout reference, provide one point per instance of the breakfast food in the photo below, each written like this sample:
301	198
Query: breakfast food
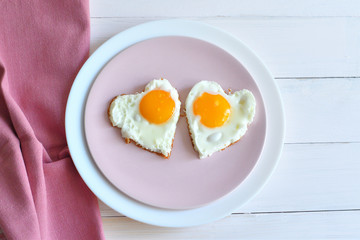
148	118
216	119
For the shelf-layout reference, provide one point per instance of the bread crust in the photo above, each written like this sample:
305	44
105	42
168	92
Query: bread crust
128	140
108	110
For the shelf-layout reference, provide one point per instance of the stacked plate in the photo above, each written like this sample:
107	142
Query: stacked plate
183	190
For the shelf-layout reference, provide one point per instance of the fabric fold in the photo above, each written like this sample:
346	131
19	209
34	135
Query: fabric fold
43	44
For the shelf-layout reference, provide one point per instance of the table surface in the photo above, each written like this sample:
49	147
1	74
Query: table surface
313	50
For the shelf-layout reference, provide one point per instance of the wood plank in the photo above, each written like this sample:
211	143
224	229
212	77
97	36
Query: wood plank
290	47
309	177
312	177
321	110
210	8
321	225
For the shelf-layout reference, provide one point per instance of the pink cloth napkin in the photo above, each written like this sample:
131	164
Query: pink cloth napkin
43	43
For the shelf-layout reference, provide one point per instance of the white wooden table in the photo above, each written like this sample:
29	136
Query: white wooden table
313	50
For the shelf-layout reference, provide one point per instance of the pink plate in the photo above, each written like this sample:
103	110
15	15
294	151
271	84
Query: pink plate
184	181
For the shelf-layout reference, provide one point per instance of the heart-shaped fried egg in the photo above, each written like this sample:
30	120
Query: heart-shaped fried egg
148	118
216	119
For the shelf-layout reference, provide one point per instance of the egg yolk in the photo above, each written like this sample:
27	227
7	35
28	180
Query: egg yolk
214	110
157	106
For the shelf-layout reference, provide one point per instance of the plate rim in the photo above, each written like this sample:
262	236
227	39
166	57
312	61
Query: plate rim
142	199
109	194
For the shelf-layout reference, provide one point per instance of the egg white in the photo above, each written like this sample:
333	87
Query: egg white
210	140
124	113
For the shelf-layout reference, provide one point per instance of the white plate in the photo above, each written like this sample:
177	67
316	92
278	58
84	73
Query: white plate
104	190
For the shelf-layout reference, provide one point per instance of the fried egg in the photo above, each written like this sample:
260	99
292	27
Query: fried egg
148	118
216	119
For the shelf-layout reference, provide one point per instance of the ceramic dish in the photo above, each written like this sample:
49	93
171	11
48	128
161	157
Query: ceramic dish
183	181
228	197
